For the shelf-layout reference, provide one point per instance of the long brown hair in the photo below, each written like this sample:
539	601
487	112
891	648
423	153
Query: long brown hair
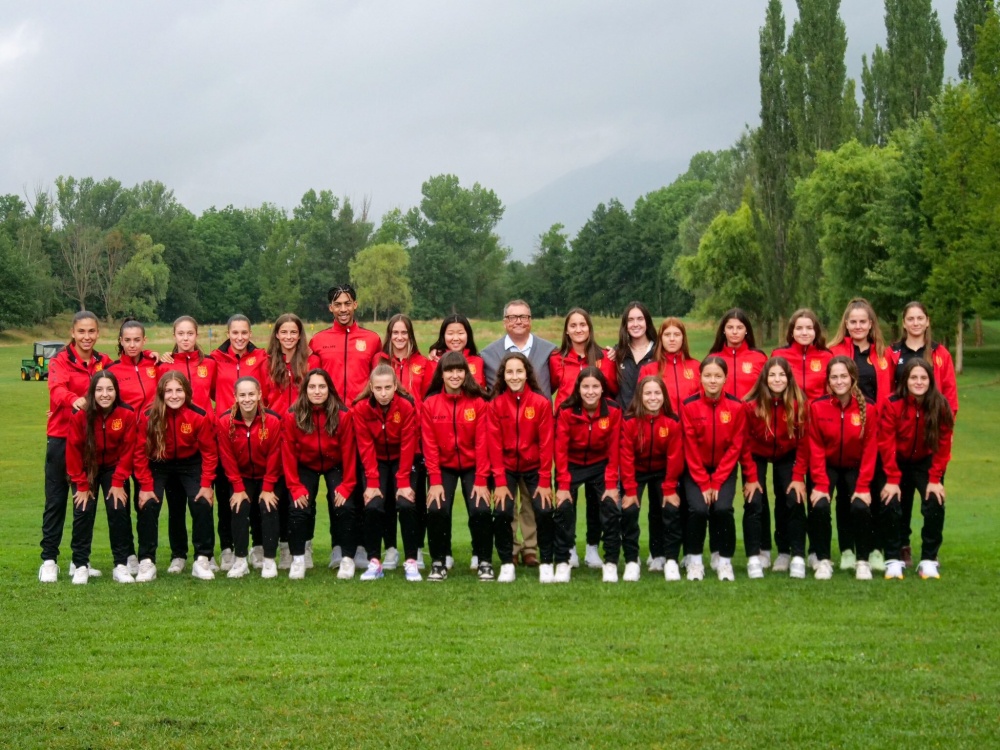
92	410
624	347
592	351
575	401
659	354
300	356
819	340
530	382
852	370
156	428
405	320
455	361
875	337
721	342
793	400
935	406
302	408
382	368
193	322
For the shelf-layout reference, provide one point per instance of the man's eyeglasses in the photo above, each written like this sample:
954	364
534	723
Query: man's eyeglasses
517	318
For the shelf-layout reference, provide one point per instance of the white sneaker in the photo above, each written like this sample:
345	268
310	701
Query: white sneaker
373	572
390	560
147	571
132	563
725	570
631	574
655	564
48	572
812	561
81	575
201	570
257	557
610	574
592	558
336	554
824	570
755	569
92	572
240	568
297	570
713	561
562	573
671	571
360	557
212	564
346	572
176	565
546	573
894	570
574	559
797	568
269	569
765	558
411	569
474	563
420	560
781	563
507	574
284	556
877	560
926	569
848	560
121	575
309	555
695	568
226	559
449	562
863	571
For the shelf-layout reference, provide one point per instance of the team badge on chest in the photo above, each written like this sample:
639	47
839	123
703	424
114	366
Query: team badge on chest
397	417
416	369
472	368
202	371
529	412
262	434
151	372
688	373
470	415
251	362
747	368
856	420
186	428
361	345
725	417
664	432
604	423
815	365
116	425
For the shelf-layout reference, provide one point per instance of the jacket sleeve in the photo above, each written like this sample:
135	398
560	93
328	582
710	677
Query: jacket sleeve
348	454
126	459
941	457
614	458
140	457
626	455
946	378
801	466
264	376
610	371
366	446
61	395
272	468
407	448
482	450
431	453
869	450
692	456
546	440
887	430
555	370
562	451
227	455
817	454
494	440
209	451
747	464
290	456
74	454
675	460
727	464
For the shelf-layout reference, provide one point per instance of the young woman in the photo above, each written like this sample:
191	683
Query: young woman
456	336
578	350
521	435
176	453
70	372
714	426
636	340
386	427
806	352
915	442
250	452
776	411
588	437
652	455
318	441
843	441
735	343
99	456
136	370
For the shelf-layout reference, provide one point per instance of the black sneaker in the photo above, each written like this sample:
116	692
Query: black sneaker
486	572
438	572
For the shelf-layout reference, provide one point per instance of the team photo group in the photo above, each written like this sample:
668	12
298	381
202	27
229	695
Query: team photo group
832	431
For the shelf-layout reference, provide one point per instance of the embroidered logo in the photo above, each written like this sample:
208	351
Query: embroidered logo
186	428
116	424
664	432
604	423
937	360
815	365
470	415
856	420
251	362
416	369
262	434
202	371
472	368
361	345
688	373
883	363
747	368
98	367
725	417
397	417
151	372
529	412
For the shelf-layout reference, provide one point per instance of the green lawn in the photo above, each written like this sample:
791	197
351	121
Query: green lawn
773	663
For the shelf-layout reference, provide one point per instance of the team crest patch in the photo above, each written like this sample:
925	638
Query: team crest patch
470	415
202	371
98	367
416	369
856	420
938	361
361	345
116	424
186	428
472	369
883	363
397	417
815	365
725	417
529	413
604	423
747	368
664	432
688	373
151	372
262	434
251	362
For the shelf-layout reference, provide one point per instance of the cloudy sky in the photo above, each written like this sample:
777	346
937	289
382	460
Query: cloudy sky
242	102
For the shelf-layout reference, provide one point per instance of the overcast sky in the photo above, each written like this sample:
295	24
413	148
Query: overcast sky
244	102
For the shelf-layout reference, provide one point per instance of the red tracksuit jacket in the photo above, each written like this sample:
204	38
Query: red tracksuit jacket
137	380
944	369
387	434
565	368
200	372
901	437
319	451
453	430
772	442
114	443
584	439
348	354
834	433
252	451
681	376
744	364
714	431
229	368
414	372
808	366
280	399
884	367
651	444
69	379
521	435
190	430
475	367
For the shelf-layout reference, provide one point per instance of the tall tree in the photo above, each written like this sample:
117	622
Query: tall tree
141	284
604	264
381	275
969	15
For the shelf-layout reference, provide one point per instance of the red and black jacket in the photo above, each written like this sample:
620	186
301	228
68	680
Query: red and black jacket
190	430
348	354
281	399
834	433
453	430
714	430
682	377
884	366
521	435
584	439
744	364
414	373
941	361
808	365
387	433
200	372
648	445
230	367
772	442
901	438
137	380
319	451
69	379
565	368
251	451
476	367
114	443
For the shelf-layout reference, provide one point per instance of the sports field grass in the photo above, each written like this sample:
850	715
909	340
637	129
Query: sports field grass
322	663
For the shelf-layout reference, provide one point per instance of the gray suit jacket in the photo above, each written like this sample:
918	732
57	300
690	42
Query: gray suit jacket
539	358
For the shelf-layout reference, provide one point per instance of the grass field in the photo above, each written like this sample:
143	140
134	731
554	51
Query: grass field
321	663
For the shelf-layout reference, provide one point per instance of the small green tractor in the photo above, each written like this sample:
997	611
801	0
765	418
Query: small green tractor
37	368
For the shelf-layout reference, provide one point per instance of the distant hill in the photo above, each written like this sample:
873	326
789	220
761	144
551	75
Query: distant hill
571	199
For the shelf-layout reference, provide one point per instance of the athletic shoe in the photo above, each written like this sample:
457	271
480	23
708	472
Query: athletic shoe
439	572
610	573
309	555
695	568
347	566
203	571
592	558
474	563
671	571
848	560
724	570
269	569
240	568
336	554
877	560
390	561
781	563
360	557
420	560
863	571
797	568
297	570
177	565
893	570
507	574
486	572
147	571
121	575
132	563
812	561
926	569
824	570
226	559
574	558
213	565
374	571
631	574
411	569
713	561
449	562
755	569
546	573
284	556
655	564
765	558
562	574
92	572
257	557
81	575
907	555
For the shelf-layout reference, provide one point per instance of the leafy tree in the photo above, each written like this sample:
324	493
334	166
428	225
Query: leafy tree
141	283
392	229
548	270
605	262
380	273
969	16
16	287
281	267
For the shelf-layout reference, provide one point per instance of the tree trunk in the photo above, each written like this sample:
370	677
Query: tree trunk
959	345
979	331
